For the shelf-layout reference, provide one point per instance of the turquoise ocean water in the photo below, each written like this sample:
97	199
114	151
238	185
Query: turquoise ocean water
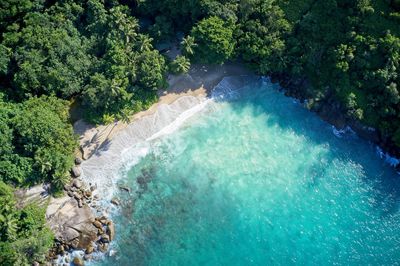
256	179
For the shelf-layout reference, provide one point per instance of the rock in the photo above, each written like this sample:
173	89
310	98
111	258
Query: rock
80	204
78	160
89	249
105	238
88	193
77	261
97	224
92	188
103	247
77	183
76	171
115	201
35	263
87	257
111	230
125	188
77	196
70	234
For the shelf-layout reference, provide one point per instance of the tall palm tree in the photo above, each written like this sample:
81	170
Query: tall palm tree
188	43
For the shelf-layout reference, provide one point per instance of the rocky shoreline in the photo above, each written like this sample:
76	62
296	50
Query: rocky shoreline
75	225
331	111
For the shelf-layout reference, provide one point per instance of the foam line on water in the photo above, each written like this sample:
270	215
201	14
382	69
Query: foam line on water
105	168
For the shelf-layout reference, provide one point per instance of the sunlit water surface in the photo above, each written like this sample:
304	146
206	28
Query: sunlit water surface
258	180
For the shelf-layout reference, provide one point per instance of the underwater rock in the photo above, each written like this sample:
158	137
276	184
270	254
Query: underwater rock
125	188
115	201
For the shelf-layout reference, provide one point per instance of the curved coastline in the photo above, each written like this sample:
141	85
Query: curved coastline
187	95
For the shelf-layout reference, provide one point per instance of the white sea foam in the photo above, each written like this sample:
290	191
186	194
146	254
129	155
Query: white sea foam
388	159
127	147
340	133
131	144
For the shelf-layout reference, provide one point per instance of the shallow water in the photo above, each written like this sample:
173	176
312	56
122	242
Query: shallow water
258	180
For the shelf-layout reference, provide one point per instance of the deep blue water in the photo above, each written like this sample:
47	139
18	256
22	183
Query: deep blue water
258	180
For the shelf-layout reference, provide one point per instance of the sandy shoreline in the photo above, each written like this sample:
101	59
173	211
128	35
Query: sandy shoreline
198	83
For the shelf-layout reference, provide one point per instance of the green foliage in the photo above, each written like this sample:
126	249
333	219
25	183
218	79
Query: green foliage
51	56
180	65
261	35
38	142
24	236
214	39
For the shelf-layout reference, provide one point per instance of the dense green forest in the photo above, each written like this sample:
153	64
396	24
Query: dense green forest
100	55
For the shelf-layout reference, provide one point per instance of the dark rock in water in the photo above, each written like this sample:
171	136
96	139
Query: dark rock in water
125	188
92	188
115	201
76	171
111	230
141	180
77	261
78	160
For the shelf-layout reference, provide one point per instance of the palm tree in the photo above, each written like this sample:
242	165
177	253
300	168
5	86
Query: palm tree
9	225
188	43
144	43
181	64
60	179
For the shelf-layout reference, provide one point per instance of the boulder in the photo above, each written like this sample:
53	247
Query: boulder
111	230
71	224
115	201
103	247
97	224
77	183
77	261
89	249
125	188
76	171
105	238
78	160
